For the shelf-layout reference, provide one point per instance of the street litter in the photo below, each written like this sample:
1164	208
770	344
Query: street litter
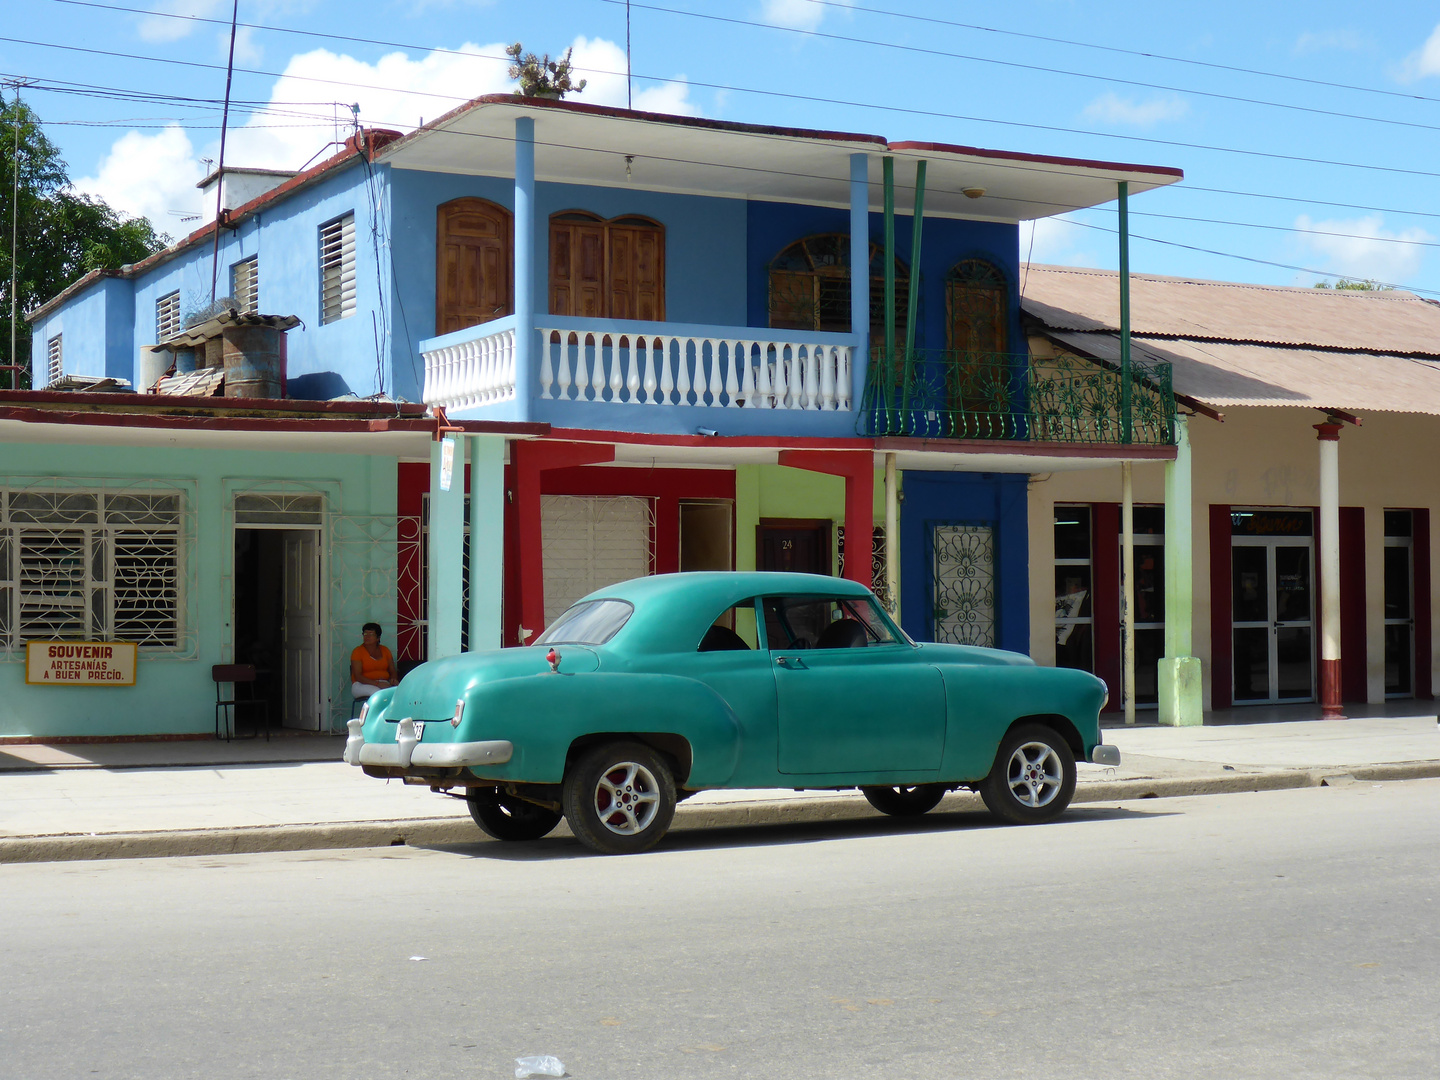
538	1065
419	958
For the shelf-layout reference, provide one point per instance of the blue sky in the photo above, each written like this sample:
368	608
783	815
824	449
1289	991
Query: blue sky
1309	134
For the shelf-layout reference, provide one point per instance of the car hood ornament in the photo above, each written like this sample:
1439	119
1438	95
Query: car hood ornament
554	658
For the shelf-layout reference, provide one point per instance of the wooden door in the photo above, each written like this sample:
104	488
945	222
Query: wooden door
577	268
637	272
474	277
800	546
978	305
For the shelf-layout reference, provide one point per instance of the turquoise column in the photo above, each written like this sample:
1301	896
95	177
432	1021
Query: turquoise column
487	540
1181	700
445	585
859	272
525	375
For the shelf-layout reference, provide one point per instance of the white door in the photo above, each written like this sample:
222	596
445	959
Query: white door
588	542
302	629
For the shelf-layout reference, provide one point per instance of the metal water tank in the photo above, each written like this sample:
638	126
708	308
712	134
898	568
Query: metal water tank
254	362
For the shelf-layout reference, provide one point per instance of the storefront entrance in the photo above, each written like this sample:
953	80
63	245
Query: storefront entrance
278	619
1273	606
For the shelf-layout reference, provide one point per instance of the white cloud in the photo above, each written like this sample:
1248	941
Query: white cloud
1423	61
1326	40
159	28
601	64
1055	240
247	51
797	14
149	176
1365	249
1110	108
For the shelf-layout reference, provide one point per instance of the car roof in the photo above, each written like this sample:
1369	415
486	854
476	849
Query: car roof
673	611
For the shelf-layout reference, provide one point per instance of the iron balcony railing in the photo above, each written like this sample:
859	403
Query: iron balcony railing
1009	396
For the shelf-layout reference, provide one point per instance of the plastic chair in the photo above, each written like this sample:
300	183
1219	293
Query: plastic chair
236	676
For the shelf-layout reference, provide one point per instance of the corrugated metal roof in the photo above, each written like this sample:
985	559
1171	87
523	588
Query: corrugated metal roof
206	382
1073	298
215	325
1225	374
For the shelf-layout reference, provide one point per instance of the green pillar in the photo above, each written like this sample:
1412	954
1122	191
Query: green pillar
1181	701
445	585
487	540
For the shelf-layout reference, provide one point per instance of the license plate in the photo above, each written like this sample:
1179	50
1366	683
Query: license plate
419	730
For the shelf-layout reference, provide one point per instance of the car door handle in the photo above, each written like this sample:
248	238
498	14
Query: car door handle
794	663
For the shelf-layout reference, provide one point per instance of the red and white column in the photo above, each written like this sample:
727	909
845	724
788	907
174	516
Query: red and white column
1329	437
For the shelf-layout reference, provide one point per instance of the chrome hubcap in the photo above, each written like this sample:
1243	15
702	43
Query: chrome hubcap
627	798
1035	774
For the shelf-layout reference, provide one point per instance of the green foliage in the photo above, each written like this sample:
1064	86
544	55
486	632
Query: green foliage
1358	286
539	76
63	234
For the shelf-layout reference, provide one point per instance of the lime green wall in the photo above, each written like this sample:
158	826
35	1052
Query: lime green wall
174	695
774	491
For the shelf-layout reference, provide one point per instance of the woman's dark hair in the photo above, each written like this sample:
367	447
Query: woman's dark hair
371	626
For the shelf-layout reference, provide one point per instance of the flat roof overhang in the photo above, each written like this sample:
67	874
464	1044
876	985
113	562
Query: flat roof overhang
589	144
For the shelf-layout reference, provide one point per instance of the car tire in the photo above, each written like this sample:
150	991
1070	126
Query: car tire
619	798
1033	778
902	801
507	818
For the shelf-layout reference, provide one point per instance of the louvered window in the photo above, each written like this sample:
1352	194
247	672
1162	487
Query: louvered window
245	284
337	269
167	316
90	565
54	360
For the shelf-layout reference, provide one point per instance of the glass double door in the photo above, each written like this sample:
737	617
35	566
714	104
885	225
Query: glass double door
1273	619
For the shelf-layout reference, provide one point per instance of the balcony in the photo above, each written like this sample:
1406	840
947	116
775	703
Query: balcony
1009	396
603	373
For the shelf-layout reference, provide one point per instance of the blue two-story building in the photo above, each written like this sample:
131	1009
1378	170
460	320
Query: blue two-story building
649	333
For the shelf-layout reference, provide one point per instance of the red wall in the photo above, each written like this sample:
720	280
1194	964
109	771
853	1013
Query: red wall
1105	606
1352	603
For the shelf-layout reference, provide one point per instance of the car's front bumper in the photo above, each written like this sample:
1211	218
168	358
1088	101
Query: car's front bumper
1104	754
408	751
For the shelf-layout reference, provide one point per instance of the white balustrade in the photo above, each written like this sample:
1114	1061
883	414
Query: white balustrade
642	367
480	371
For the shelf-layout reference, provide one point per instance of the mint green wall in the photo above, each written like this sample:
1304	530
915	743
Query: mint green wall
177	696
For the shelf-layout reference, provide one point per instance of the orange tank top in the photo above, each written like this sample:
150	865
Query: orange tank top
371	667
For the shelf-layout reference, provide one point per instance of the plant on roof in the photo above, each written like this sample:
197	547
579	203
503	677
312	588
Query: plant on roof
539	76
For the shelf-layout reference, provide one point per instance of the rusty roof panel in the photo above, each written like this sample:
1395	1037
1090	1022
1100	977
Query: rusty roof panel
1076	298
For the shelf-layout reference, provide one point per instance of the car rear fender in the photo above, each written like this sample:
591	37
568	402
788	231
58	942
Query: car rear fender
547	716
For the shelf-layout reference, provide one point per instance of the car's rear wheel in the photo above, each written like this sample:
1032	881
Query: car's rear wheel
1033	778
505	817
902	801
619	798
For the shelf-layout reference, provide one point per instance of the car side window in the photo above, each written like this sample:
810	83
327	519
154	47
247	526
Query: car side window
811	622
733	631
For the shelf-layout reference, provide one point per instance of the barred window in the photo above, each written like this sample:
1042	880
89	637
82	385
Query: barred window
90	565
167	316
337	269
55	360
245	283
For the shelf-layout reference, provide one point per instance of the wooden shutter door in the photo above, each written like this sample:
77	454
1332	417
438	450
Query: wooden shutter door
637	272
474	257
577	268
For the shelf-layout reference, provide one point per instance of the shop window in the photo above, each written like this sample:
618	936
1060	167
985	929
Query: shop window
1074	585
1149	590
611	269
810	288
86	565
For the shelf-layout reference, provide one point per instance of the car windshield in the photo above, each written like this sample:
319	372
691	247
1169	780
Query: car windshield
593	622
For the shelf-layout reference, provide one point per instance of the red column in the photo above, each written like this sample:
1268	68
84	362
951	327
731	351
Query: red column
529	458
858	469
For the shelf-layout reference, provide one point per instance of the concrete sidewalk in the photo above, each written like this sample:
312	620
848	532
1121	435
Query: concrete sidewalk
109	800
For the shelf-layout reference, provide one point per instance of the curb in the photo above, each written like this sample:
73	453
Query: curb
431	832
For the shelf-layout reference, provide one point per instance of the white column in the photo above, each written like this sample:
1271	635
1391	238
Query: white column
487	540
1181	693
1127	588
446	579
1328	435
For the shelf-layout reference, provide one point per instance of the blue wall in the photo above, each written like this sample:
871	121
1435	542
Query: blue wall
937	498
96	328
774	226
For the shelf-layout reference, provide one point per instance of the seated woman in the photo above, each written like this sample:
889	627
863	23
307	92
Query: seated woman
371	665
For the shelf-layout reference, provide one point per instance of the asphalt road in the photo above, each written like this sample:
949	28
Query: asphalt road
1288	933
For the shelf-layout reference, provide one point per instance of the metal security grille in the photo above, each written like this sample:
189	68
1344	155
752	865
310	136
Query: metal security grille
963	601
245	284
91	564
280	508
54	360
337	269
167	316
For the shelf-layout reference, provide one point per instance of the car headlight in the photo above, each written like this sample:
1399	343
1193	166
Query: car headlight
364	709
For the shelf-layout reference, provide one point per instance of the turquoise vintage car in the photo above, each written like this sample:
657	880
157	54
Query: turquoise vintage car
646	692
